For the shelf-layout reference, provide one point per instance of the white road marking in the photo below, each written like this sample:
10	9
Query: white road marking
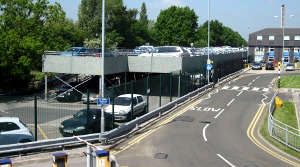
235	87
4	111
239	93
230	102
225	87
219	113
255	89
203	131
266	90
245	88
225	160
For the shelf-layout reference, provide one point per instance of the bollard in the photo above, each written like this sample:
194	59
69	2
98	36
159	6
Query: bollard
60	159
5	162
102	158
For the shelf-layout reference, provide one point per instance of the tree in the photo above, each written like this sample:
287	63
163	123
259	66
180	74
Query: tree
219	35
143	15
27	30
176	26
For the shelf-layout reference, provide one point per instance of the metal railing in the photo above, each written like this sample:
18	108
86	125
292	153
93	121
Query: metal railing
62	142
283	133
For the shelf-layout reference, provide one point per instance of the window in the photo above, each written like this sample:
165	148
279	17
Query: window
286	38
297	38
259	49
286	49
259	38
271	38
271	49
296	49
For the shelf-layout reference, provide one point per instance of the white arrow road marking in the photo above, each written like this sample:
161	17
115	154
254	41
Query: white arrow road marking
225	160
203	131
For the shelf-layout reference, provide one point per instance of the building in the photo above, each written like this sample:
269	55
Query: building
267	45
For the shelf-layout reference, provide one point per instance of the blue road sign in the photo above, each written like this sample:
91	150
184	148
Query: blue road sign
101	101
208	66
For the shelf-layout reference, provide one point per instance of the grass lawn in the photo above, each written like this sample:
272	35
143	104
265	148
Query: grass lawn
286	115
290	81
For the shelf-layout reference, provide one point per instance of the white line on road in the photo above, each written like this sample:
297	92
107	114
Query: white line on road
203	131
239	93
219	113
230	102
225	160
4	111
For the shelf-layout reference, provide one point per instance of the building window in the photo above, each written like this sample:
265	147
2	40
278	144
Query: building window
286	38
296	50
271	49
259	49
297	38
286	49
259	38
271	38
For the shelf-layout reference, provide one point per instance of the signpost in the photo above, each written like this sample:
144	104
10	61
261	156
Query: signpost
103	101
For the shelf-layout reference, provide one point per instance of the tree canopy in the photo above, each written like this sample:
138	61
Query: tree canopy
30	27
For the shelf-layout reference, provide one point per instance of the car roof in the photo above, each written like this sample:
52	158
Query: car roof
2	119
129	95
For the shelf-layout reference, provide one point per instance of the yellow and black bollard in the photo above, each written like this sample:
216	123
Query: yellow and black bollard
60	159
102	158
5	162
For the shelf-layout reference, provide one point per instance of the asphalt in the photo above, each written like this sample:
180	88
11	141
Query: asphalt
77	157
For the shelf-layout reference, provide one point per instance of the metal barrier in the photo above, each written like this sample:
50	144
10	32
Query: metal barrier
62	142
283	133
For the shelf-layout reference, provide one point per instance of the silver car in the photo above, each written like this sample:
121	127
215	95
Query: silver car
290	67
13	131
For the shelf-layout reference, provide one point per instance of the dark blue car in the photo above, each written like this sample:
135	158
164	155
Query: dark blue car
74	51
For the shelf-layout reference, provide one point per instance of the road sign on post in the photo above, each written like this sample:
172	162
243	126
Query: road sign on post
102	101
208	66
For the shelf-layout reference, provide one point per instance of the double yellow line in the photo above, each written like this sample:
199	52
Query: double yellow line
250	133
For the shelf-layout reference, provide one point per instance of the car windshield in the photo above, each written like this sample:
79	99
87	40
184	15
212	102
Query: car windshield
81	113
168	49
256	63
73	50
124	101
290	65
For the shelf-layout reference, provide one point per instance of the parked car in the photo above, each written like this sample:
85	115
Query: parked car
78	125
269	66
168	51
67	94
256	66
97	52
74	51
143	49
122	106
289	67
13	131
92	97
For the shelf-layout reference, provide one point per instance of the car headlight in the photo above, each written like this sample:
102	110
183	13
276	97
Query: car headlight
61	126
80	128
122	112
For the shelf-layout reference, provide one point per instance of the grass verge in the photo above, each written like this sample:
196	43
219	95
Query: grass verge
290	81
264	132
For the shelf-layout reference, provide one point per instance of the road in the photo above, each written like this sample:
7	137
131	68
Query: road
211	131
218	129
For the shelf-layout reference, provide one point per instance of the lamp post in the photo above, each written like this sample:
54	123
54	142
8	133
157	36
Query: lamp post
102	75
208	40
248	48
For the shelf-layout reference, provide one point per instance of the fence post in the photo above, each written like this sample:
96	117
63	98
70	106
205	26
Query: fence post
147	91
179	84
131	113
171	87
113	107
35	117
286	136
160	89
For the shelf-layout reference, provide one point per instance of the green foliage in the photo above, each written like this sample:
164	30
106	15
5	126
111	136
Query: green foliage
219	35
143	15
176	26
28	28
290	81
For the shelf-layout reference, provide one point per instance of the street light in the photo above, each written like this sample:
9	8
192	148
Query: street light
102	75
248	47
208	39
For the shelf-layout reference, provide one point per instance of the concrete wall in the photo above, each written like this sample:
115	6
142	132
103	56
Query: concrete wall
93	65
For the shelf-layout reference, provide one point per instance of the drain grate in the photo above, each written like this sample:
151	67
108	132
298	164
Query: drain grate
184	118
206	122
161	156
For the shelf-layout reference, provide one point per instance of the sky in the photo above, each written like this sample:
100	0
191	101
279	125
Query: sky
242	16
